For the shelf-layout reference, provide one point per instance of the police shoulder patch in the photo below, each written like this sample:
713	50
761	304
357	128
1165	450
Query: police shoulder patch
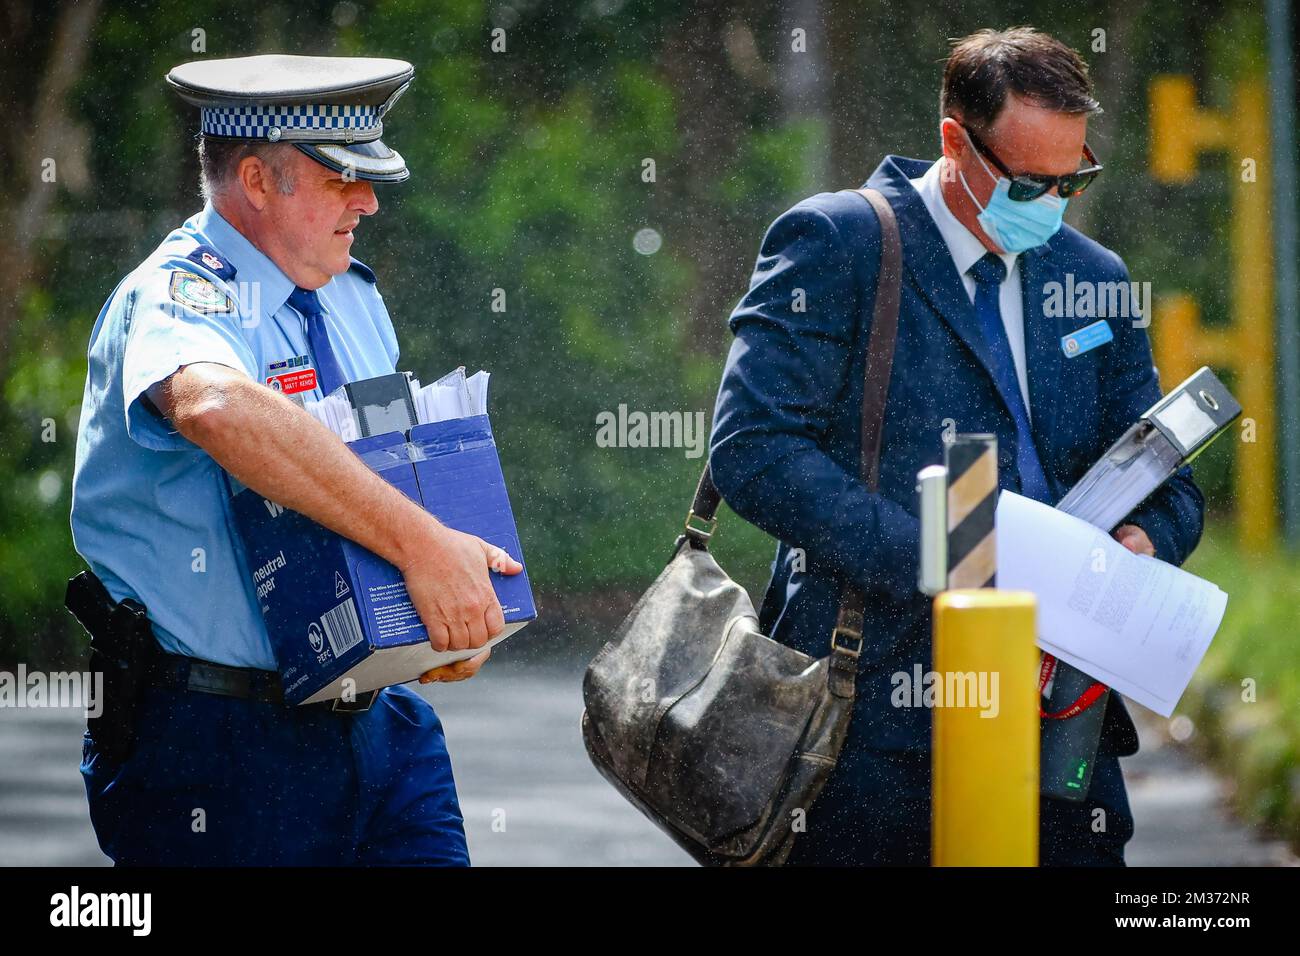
213	261
198	293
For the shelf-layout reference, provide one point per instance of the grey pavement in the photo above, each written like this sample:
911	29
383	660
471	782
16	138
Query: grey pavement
43	817
528	791
531	797
1181	810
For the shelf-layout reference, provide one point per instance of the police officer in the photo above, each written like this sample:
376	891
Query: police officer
198	366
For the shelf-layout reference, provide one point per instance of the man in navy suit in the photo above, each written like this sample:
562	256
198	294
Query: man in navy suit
979	350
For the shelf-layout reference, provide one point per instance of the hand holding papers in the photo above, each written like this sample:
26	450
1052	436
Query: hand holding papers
1137	624
1169	434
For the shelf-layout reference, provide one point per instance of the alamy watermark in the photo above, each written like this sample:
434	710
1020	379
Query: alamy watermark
39	689
922	688
1098	300
133	911
635	429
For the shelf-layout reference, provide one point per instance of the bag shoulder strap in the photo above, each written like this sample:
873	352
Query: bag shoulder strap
846	637
884	336
880	361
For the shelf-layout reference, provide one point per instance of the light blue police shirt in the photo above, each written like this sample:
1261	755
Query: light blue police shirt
150	509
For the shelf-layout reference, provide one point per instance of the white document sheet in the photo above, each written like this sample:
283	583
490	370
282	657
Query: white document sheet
335	412
1137	624
455	395
452	396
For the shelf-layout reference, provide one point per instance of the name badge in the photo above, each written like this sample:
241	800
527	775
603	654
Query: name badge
291	375
1088	337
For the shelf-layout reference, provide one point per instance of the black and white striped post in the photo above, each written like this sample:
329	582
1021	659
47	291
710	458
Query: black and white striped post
972	462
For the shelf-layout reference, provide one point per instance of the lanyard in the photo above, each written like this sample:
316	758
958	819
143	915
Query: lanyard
1086	699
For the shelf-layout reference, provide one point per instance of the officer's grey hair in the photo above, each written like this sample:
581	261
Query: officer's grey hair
219	161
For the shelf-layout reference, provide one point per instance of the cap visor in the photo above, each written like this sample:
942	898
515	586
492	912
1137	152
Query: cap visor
372	161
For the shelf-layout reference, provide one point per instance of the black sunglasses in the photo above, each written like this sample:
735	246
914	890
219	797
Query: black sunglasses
1027	186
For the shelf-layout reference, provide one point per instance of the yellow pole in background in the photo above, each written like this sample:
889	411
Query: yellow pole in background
985	768
1180	132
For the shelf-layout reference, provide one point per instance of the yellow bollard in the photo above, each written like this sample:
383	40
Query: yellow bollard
985	785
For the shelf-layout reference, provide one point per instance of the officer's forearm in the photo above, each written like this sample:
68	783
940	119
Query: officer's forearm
284	454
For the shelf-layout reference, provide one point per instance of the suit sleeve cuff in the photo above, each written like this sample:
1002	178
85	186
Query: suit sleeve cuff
1159	528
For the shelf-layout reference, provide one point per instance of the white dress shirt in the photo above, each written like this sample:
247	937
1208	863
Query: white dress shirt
967	250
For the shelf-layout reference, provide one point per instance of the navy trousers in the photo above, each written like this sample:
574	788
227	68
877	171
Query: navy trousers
223	781
875	811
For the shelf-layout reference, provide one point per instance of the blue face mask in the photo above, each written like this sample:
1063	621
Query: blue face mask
1016	226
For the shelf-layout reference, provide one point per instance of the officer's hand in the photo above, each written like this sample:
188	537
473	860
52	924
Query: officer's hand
1135	539
457	671
449	585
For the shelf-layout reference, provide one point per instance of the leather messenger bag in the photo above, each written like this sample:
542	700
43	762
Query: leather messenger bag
716	732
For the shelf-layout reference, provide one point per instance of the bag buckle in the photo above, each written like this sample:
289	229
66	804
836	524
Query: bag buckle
843	649
697	533
359	706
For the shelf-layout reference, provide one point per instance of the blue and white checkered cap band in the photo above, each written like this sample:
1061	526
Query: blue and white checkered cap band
294	123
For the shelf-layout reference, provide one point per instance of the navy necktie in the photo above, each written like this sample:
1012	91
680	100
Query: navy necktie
989	273
328	374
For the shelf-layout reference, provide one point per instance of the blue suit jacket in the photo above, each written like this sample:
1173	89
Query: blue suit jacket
784	448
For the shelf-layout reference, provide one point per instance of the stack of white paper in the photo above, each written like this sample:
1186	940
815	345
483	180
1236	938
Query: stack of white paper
1136	624
452	396
335	412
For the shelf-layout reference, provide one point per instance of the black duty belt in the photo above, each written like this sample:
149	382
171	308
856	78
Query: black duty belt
121	633
177	672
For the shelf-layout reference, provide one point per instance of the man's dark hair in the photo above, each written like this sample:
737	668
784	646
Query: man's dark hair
985	66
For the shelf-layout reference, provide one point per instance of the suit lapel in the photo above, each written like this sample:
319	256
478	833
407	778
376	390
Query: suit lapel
928	262
1043	356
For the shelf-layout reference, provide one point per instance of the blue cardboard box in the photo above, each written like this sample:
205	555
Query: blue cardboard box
339	617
